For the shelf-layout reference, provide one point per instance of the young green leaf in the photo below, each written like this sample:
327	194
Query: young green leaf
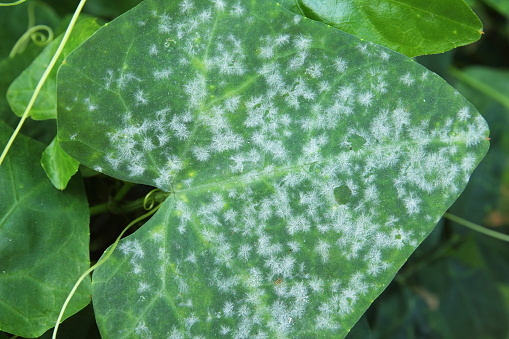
21	89
43	242
10	68
58	165
407	26
305	166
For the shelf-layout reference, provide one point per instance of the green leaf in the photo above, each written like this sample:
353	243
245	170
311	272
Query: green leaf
43	242
58	165
400	313
304	166
21	89
407	26
10	68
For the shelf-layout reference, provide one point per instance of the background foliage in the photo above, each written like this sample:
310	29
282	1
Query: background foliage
455	285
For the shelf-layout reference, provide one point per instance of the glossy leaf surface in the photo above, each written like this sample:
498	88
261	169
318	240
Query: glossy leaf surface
21	90
408	26
305	166
43	242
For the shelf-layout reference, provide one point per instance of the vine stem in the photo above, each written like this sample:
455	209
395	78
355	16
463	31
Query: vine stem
19	2
475	227
97	264
43	78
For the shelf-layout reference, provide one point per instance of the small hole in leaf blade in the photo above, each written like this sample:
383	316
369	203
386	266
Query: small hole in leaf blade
342	194
356	142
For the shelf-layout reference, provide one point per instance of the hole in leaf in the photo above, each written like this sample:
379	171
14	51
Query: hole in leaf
356	142
342	194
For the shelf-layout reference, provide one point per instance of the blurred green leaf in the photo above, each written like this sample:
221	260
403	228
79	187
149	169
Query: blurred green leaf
58	165
43	242
448	298
400	313
407	26
502	6
470	303
469	253
22	89
304	166
495	254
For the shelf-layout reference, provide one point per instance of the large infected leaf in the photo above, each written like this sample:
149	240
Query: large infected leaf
43	242
304	167
21	89
408	26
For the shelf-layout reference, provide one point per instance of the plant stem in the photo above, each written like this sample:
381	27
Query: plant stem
480	86
43	78
475	227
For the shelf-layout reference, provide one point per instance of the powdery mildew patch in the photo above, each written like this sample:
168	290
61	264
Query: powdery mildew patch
305	166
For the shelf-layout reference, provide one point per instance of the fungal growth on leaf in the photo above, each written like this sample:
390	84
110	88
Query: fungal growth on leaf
307	165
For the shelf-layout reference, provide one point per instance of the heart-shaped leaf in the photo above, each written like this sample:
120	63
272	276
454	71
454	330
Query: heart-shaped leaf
43	242
304	166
